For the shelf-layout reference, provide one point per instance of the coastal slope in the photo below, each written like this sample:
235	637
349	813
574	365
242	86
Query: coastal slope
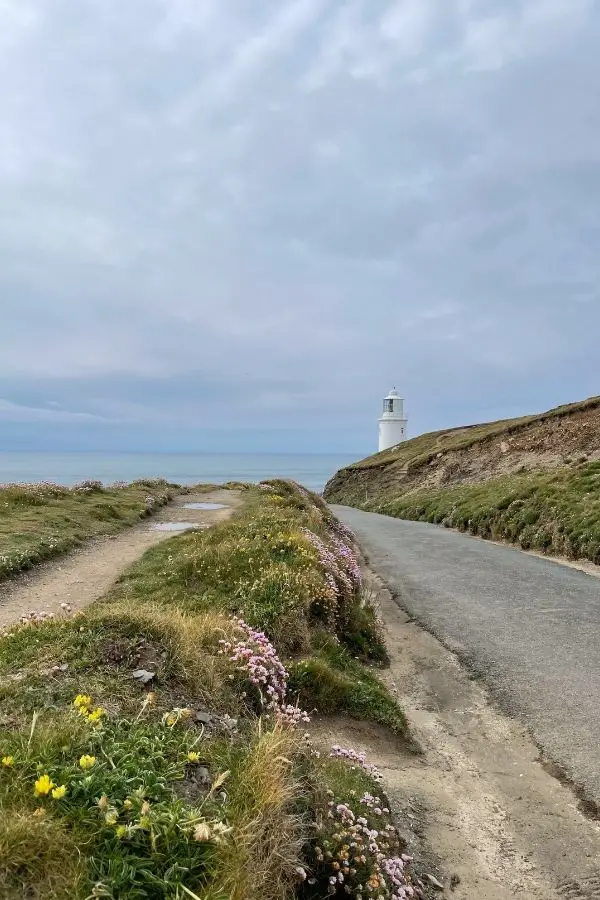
533	481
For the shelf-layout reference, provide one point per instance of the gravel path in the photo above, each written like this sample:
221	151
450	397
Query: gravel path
528	626
80	577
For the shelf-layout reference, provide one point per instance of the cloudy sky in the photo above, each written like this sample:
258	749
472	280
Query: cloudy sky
234	225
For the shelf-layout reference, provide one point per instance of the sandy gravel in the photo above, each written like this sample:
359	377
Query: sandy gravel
83	575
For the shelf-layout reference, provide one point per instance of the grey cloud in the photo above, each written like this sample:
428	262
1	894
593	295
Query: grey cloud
267	214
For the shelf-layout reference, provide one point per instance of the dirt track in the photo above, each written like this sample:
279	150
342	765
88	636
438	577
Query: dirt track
80	577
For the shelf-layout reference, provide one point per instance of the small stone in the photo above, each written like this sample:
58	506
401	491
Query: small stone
144	676
434	882
204	717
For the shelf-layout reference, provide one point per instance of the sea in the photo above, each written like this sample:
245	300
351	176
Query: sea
311	470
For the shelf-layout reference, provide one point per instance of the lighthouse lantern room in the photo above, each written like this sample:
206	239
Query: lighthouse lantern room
392	424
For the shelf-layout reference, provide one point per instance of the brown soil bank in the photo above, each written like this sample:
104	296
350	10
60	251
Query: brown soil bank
533	481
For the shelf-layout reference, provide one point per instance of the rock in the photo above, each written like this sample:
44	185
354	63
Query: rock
504	447
205	718
144	676
434	882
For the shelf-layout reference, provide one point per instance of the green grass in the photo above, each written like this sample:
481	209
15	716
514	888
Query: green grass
331	681
40	521
126	828
554	512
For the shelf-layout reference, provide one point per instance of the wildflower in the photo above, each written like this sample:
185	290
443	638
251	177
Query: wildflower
202	832
121	831
127	804
193	757
86	762
43	786
8	761
111	816
59	792
82	700
145	810
96	715
39	813
103	802
219	831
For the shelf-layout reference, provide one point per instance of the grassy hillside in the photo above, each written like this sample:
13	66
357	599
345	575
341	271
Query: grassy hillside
39	521
533	481
154	748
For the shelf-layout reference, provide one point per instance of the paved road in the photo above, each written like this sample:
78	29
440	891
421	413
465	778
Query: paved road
530	627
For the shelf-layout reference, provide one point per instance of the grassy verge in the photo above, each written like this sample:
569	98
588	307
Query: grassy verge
150	748
554	512
39	521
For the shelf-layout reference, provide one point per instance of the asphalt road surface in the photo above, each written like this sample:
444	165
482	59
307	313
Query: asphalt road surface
529	627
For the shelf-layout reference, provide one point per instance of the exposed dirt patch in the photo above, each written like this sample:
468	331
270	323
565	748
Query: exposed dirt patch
482	812
544	444
82	576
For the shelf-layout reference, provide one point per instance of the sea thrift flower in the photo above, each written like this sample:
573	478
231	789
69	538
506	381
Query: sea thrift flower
255	656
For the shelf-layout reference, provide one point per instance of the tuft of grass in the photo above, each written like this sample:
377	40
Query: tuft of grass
40	521
262	861
38	859
330	681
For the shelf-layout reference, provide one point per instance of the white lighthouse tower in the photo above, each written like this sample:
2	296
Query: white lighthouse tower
392	424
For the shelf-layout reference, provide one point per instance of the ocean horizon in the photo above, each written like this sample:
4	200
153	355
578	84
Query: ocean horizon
313	470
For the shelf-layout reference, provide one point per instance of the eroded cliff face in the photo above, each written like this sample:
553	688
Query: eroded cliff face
544	444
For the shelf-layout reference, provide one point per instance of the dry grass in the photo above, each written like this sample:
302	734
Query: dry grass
39	859
261	863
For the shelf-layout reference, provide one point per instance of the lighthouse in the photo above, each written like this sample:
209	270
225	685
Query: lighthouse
392	424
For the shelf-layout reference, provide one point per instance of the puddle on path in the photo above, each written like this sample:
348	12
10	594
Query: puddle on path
176	526
205	506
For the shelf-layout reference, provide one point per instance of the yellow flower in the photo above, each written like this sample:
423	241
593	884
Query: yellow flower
193	757
121	831
86	762
127	804
59	792
171	720
8	761
111	816
81	700
96	715
43	786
